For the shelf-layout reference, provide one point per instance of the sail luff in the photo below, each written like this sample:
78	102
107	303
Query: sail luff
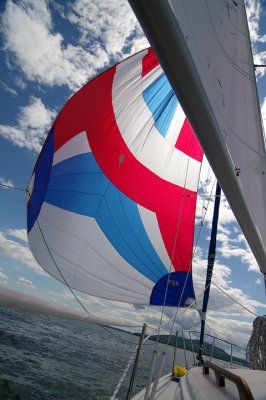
161	25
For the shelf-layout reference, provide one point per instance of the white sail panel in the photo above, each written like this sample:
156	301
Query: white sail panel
224	63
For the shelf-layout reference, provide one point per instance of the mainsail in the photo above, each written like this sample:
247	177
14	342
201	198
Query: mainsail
205	51
111	201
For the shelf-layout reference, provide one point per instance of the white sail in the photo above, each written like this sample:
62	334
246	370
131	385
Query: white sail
205	51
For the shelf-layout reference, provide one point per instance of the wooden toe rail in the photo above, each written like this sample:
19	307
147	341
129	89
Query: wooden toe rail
221	374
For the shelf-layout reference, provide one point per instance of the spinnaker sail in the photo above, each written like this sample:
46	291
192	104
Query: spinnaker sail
111	202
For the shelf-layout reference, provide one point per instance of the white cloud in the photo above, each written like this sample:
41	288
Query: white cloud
110	28
37	50
219	302
3	278
227	329
8	89
231	242
254	12
20	234
35	115
6	183
263	113
40	52
253	9
21	84
24	281
18	252
33	124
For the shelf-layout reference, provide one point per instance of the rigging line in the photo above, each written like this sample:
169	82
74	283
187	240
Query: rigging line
153	330
12	187
191	265
123	340
195	247
241	305
204	186
216	334
172	256
216	337
65	281
192	326
222	339
132	357
126	369
169	270
173	253
185	310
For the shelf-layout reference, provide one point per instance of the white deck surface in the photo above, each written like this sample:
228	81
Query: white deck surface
196	386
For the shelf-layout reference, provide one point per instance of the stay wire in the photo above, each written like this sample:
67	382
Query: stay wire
153	330
173	253
172	258
190	267
237	302
12	187
169	271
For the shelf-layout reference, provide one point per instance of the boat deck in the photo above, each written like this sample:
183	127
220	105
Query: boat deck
196	385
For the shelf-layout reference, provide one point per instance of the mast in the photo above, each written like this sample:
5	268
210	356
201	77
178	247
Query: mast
211	259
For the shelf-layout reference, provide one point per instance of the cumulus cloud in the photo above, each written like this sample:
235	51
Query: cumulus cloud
263	113
18	252
43	57
24	281
8	89
254	12
6	183
116	31
20	234
226	328
253	9
33	124
3	277
37	51
231	242
219	302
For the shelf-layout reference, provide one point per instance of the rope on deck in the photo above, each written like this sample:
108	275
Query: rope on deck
256	348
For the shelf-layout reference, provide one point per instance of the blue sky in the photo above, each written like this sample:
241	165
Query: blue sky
49	49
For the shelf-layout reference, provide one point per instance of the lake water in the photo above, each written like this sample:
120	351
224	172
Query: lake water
43	357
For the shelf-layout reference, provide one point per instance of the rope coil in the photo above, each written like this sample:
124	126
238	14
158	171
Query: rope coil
256	348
